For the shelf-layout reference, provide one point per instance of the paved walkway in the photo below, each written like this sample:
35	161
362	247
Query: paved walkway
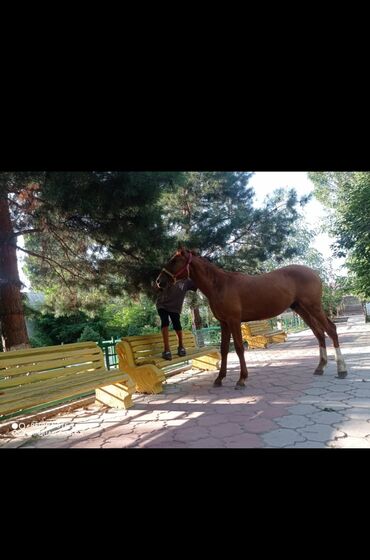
283	405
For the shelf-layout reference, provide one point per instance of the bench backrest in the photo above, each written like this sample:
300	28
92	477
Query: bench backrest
253	328
144	349
22	371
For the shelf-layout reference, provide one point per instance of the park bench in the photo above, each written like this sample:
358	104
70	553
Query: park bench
258	334
36	376
141	357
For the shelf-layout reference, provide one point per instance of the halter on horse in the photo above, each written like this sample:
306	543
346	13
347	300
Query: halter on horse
235	297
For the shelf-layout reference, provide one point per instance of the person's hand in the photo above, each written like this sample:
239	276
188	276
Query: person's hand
155	287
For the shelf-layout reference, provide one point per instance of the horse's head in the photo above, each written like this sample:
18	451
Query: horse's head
176	268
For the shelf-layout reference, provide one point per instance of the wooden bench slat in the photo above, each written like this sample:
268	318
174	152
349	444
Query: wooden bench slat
45	356
259	333
142	358
159	348
43	386
157	341
59	391
41	367
60	348
35	376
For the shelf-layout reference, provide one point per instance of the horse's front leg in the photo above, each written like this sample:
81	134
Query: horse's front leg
239	349
225	343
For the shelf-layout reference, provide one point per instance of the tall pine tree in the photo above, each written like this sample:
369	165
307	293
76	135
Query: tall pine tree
81	229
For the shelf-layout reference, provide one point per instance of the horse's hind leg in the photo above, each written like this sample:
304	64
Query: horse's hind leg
239	349
331	329
318	331
225	343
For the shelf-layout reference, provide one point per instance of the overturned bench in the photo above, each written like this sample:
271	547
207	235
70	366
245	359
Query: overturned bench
258	334
42	376
141	357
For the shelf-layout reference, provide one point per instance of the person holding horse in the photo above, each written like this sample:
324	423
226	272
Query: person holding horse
169	306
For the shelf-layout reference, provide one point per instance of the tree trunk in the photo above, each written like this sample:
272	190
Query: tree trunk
13	325
197	319
197	322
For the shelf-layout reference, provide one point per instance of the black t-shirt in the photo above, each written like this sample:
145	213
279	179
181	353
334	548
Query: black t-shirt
172	297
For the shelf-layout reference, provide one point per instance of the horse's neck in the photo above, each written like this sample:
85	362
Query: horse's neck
205	276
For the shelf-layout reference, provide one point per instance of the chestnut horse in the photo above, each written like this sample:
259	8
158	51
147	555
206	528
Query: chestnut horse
235	297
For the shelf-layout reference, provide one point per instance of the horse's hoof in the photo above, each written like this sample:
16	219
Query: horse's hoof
341	374
318	372
239	386
217	383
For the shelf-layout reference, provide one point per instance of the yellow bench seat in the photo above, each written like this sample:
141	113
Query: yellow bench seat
40	376
141	357
258	334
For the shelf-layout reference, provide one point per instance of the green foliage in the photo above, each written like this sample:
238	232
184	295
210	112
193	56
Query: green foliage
331	299
50	330
348	196
89	333
130	317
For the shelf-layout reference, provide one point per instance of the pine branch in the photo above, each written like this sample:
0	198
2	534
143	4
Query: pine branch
25	232
50	261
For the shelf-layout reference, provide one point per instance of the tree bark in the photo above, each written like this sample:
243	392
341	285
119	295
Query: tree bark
197	319
13	325
197	322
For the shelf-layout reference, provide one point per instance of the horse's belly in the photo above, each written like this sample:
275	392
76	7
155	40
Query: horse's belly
264	308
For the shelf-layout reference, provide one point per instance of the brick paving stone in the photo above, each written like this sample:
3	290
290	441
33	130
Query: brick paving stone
358	413
258	425
350	442
320	432
355	428
210	443
327	417
282	437
119	443
225	429
361	393
243	441
273	411
302	409
178	423
293	421
316	391
214	419
309	444
186	435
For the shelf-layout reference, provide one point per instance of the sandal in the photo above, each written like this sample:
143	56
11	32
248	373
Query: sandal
167	355
181	351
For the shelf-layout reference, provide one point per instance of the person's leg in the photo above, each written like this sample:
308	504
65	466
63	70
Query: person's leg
164	328
175	318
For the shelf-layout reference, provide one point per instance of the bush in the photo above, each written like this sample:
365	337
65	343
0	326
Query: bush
87	334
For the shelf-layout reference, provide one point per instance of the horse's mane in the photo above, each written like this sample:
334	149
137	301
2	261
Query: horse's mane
215	274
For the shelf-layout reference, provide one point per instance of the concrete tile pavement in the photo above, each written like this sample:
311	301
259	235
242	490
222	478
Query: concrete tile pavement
283	406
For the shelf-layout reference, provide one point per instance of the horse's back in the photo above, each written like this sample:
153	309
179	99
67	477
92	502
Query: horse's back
298	271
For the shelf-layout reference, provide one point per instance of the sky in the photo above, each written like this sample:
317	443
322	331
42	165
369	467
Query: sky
264	182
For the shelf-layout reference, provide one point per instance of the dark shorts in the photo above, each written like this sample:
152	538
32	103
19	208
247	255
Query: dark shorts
165	319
